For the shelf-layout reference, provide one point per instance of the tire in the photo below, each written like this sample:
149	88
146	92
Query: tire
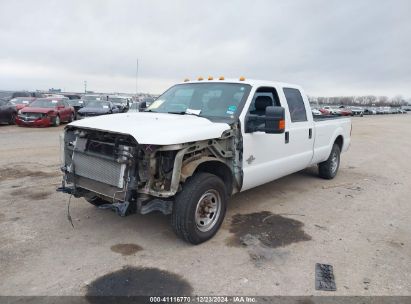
200	191
56	121
71	119
329	168
12	119
95	201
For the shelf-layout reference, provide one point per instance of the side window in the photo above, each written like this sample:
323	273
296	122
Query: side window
295	105
266	96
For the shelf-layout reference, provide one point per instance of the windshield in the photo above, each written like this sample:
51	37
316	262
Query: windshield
210	100
92	97
20	100
98	104
76	102
117	100
21	94
44	103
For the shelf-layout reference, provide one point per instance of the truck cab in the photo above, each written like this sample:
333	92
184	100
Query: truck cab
199	143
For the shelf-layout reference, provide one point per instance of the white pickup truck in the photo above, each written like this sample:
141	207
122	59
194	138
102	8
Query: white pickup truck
199	143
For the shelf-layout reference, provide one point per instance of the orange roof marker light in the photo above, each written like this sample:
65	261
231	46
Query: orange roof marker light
242	78
221	78
200	78
210	78
186	80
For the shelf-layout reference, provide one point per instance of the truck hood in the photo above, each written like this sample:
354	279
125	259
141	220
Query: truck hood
37	110
156	128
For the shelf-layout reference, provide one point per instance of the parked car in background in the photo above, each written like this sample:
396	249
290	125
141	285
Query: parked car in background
92	97
27	94
327	110
21	102
72	96
77	104
121	102
380	110
344	111
45	112
358	111
316	112
148	100
134	107
8	112
370	111
97	108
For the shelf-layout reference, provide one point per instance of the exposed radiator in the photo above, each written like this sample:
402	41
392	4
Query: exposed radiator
99	169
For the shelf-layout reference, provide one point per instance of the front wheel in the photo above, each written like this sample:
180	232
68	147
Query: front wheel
57	121
329	168
199	209
12	119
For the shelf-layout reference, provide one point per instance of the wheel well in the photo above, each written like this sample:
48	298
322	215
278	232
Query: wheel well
339	141
219	169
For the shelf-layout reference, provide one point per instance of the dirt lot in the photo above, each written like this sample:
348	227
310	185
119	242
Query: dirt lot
359	222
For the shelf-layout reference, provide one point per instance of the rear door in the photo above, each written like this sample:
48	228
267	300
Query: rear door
300	131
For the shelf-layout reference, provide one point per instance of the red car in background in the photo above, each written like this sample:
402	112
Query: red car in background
343	111
45	112
21	102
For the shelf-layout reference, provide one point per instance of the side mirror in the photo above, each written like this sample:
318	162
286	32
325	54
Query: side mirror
274	120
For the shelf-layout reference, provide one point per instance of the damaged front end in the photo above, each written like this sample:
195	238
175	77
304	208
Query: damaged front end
105	165
129	177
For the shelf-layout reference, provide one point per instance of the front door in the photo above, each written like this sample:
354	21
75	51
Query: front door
264	155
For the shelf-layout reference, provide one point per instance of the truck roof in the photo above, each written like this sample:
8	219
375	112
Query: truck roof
252	82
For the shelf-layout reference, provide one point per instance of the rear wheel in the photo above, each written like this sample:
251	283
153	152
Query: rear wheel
329	168
199	209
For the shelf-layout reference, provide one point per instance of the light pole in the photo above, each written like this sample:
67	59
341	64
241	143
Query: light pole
137	78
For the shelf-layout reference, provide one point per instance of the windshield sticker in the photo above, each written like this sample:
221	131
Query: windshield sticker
54	101
80	101
98	98
192	111
105	107
156	104
231	110
25	101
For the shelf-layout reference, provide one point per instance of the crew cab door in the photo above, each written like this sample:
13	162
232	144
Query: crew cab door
300	129
264	155
267	157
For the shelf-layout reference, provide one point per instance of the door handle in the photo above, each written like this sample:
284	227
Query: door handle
287	137
310	133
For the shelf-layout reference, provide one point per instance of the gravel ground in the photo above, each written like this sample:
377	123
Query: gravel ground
269	244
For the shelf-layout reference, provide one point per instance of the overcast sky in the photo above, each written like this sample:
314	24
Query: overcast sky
328	47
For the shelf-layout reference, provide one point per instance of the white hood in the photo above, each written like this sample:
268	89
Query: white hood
156	128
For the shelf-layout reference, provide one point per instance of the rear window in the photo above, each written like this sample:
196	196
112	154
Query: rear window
295	105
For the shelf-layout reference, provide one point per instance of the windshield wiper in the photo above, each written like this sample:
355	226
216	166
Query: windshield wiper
184	113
